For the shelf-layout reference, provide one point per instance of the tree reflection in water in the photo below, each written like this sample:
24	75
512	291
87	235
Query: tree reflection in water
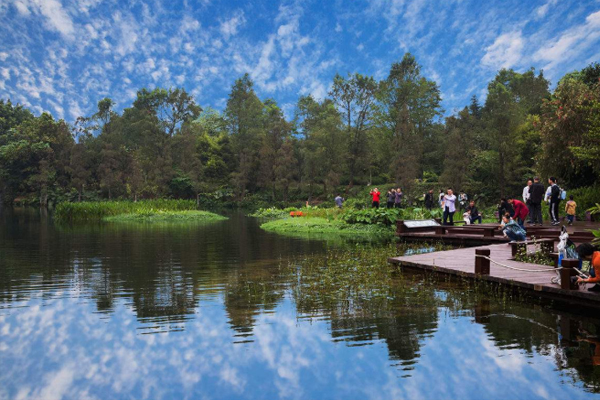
165	274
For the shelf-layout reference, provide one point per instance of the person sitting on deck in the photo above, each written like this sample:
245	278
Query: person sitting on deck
512	230
589	252
521	210
474	213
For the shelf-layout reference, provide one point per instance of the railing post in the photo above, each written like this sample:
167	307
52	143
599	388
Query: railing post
567	271
482	265
488	232
515	247
555	259
440	230
400	227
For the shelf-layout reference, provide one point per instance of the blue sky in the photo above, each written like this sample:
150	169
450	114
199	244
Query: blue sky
63	56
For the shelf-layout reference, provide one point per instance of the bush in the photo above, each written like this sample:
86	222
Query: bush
271	212
372	216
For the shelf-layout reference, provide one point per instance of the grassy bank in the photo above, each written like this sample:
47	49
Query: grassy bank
301	227
167	216
145	209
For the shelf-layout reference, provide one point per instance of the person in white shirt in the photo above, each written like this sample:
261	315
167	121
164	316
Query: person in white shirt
526	196
449	207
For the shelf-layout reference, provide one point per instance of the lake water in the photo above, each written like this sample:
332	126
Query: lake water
211	312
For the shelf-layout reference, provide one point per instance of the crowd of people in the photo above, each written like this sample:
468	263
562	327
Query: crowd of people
393	198
513	213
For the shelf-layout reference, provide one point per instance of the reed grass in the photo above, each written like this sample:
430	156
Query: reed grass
166	216
98	210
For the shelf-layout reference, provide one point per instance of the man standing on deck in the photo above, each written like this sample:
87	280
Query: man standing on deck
536	196
526	198
429	200
554	200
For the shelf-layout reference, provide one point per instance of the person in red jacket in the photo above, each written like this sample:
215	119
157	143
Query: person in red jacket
375	194
521	211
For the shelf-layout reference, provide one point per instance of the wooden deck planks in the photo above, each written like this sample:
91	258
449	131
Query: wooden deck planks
461	262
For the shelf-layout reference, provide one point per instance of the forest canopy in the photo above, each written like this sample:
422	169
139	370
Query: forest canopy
364	132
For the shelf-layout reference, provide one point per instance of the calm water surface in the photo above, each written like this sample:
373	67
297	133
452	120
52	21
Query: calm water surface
207	312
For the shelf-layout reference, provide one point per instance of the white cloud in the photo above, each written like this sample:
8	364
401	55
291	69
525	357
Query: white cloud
571	43
128	37
542	10
57	18
230	27
505	52
264	68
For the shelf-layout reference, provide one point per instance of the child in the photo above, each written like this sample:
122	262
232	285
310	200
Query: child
512	230
467	217
570	208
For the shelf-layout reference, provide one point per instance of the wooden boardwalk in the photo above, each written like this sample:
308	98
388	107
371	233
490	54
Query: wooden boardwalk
461	262
487	234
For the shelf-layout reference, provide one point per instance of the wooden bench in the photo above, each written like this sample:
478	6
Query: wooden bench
485	231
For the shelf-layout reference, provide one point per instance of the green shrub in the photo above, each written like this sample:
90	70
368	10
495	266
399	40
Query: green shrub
272	212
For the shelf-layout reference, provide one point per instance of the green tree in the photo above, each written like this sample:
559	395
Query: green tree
569	131
245	121
511	98
172	107
408	103
354	97
323	149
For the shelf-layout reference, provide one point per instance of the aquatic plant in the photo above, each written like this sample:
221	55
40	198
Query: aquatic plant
304	225
97	210
272	212
536	257
166	216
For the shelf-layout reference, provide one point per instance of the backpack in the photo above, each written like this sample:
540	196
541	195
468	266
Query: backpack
563	194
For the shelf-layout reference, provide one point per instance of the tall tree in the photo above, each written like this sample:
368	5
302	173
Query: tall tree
323	147
354	97
511	97
172	107
569	130
407	107
245	120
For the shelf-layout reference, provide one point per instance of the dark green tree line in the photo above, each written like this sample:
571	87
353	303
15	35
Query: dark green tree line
365	132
